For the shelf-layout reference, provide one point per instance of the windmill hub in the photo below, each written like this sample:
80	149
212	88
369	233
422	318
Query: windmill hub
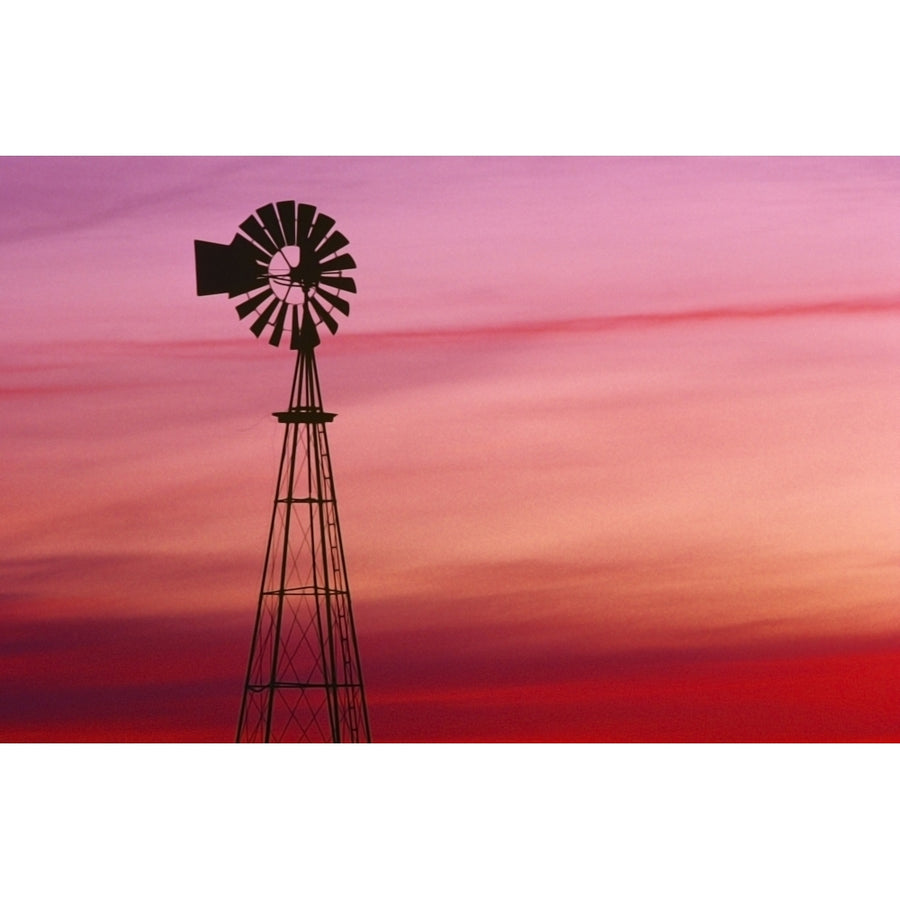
290	269
305	276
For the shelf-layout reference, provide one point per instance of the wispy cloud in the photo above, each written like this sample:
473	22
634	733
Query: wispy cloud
848	306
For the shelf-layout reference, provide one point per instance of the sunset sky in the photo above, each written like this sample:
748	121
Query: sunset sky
616	446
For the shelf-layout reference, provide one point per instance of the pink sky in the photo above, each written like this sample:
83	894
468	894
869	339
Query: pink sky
615	450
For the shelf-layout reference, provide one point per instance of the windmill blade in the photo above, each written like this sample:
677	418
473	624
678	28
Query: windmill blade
342	284
336	241
324	315
339	303
305	214
287	213
338	264
322	226
295	329
264	316
278	327
269	218
252	227
253	303
248	248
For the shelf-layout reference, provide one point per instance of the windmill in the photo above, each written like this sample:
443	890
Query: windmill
304	680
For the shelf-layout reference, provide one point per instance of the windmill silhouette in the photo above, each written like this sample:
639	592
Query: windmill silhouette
304	679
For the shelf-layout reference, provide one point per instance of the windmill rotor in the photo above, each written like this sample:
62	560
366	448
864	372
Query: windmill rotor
289	263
